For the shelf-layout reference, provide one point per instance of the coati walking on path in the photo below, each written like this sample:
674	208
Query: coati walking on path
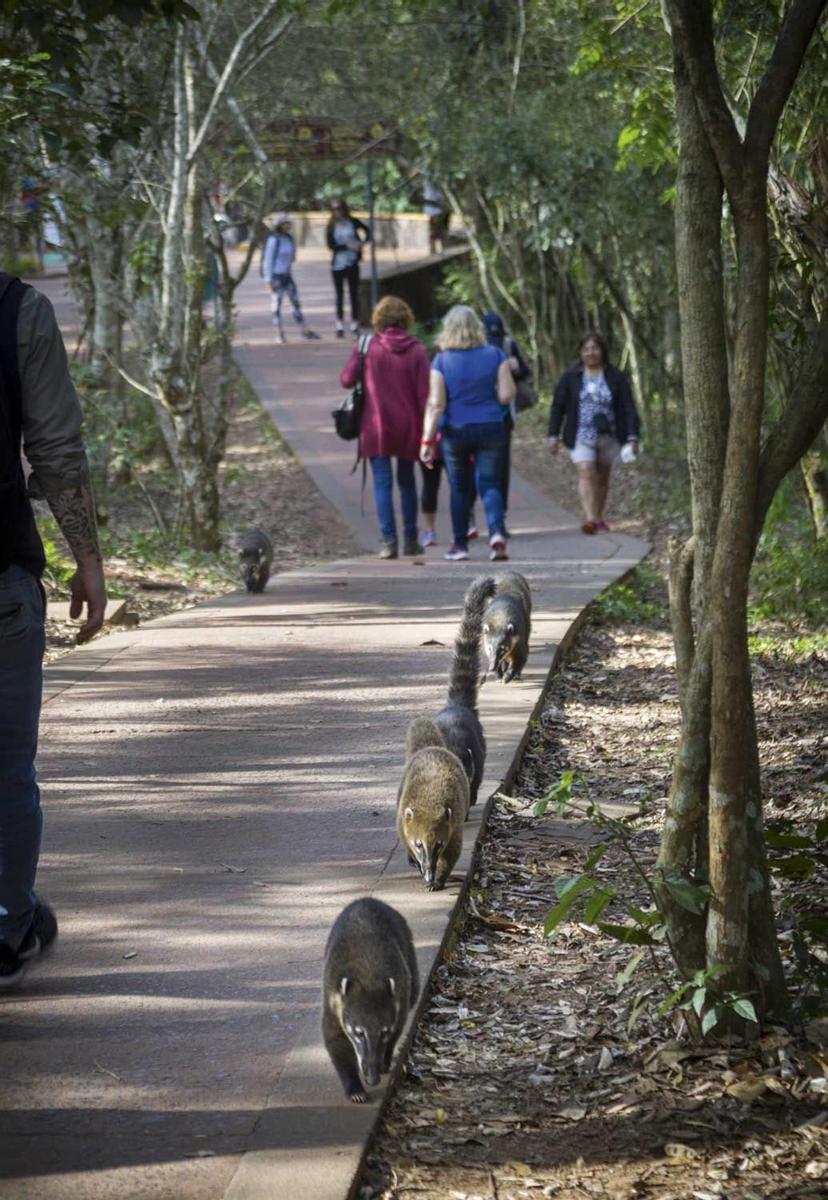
255	559
369	984
458	721
507	624
432	803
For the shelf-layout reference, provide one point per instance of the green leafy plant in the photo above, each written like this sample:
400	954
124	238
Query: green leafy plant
705	1007
632	601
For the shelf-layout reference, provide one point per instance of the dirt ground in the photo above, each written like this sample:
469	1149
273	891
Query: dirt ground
527	1077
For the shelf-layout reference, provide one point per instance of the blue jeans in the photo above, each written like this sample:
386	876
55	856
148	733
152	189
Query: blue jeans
487	442
22	642
381	473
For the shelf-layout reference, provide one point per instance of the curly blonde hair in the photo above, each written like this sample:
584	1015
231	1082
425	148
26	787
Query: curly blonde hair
392	311
461	329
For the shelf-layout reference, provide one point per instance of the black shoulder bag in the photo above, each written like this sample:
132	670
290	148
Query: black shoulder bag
348	416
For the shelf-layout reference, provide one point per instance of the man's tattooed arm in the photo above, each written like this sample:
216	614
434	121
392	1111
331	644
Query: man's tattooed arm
74	510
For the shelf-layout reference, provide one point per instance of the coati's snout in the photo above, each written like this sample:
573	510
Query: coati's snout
427	848
254	570
498	645
369	1018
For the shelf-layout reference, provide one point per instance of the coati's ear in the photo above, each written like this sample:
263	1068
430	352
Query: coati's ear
408	814
344	985
392	985
510	628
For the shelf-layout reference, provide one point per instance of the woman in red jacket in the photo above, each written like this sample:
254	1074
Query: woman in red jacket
396	378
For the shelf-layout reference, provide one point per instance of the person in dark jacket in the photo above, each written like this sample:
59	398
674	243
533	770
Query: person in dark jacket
496	336
38	403
346	236
395	388
594	404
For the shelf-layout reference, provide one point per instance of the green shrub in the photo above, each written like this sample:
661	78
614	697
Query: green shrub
789	581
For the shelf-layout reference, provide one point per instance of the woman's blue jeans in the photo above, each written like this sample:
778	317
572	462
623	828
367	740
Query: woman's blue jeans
487	443
383	497
21	682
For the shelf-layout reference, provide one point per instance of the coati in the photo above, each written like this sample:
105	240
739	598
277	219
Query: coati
255	559
369	984
507	625
458	721
432	803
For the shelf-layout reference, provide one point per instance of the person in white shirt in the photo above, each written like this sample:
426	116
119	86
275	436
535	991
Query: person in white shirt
346	235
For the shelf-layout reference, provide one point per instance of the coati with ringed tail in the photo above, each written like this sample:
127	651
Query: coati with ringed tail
369	984
507	624
458	721
432	803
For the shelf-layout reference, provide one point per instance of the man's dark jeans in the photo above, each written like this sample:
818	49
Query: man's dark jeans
21	682
487	443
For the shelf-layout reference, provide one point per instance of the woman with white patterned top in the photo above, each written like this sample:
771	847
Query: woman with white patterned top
594	404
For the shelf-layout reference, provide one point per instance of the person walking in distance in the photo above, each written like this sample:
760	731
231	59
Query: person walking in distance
594	403
278	257
38	404
346	237
395	387
496	336
470	384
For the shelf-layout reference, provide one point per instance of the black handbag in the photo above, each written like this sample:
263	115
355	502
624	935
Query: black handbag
348	415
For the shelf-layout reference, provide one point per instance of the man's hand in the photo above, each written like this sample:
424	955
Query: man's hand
427	454
87	586
553	445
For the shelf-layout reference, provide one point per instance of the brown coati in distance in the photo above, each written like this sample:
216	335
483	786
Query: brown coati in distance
458	721
432	803
255	559
369	984
507	624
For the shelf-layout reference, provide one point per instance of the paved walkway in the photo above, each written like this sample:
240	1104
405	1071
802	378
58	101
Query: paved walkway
217	785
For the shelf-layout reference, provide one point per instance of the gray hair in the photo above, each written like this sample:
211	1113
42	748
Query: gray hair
461	329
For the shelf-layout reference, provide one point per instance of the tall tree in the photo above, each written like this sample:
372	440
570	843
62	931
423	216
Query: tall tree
714	825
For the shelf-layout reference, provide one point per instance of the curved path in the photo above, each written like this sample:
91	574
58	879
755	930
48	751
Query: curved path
217	784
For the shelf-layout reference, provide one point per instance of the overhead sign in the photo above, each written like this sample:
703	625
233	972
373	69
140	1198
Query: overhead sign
318	138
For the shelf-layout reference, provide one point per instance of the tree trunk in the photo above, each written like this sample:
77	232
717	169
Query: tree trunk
704	372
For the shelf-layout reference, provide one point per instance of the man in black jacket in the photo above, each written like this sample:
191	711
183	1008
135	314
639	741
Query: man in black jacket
38	404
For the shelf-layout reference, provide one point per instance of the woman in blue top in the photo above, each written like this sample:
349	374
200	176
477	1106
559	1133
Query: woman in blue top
470	384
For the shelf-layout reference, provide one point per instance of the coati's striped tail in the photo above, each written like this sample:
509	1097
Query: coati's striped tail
465	669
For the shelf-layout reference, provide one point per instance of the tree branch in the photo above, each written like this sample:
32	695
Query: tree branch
802	416
681	613
691	24
780	75
226	76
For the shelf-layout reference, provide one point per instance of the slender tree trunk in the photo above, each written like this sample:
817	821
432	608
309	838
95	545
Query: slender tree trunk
704	372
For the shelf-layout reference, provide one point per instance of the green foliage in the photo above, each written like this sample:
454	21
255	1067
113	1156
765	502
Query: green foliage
633	602
789	581
59	568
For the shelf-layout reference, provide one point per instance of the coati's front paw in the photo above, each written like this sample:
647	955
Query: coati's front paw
359	1097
